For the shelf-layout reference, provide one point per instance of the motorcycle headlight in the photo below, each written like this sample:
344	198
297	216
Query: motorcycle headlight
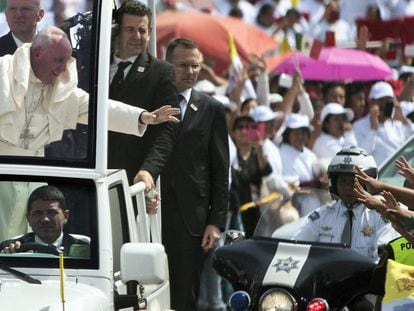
277	299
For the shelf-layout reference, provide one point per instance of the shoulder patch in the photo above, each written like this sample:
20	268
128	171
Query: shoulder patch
315	215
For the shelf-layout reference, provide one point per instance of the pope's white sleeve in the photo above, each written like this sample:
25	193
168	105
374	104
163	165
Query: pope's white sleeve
124	118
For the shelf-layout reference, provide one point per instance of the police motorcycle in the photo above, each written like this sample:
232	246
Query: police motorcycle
272	271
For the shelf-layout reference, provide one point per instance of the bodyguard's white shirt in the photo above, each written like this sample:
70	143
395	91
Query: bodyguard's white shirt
381	143
327	223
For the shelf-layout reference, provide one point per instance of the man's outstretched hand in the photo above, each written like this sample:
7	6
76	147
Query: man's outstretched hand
163	114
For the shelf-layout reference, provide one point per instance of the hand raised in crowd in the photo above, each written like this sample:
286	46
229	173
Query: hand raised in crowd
366	198
398	114
160	115
372	185
405	169
373	116
297	82
401	219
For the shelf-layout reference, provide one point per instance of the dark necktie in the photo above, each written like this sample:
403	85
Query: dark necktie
346	237
119	76
180	99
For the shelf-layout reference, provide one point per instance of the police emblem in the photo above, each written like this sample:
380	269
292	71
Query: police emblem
368	230
315	215
286	264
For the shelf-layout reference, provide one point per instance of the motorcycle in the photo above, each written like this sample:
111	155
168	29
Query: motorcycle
272	272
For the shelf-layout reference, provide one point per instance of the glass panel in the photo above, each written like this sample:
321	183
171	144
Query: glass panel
44	120
39	218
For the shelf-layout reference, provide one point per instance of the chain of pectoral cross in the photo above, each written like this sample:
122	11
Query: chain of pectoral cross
26	136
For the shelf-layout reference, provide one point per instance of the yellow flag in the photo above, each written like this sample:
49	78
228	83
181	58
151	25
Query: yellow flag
284	45
399	287
295	3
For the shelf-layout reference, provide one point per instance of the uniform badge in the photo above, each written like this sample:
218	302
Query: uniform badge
140	69
326	228
368	230
193	107
286	264
315	215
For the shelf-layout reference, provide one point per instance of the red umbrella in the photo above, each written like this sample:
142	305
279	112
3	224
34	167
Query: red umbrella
210	32
337	64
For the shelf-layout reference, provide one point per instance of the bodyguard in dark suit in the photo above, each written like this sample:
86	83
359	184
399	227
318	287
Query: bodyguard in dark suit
194	183
22	18
139	79
7	44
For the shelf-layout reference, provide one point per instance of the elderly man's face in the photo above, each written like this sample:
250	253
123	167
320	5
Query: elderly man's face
47	219
49	61
22	16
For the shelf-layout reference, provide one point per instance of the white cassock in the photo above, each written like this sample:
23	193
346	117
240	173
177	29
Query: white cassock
32	115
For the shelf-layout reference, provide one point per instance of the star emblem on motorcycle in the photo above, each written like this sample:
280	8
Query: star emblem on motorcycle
368	230
286	264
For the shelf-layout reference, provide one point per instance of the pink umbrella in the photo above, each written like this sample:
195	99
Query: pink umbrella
336	64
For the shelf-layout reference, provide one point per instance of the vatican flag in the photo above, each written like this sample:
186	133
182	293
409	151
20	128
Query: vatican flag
399	287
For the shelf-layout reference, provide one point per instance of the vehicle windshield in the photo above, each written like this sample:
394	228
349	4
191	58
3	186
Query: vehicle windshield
38	125
46	217
282	218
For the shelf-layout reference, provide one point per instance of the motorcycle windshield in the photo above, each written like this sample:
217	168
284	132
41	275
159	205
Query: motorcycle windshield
283	218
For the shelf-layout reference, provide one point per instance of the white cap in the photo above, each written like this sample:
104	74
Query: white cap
226	102
275	98
264	113
406	69
381	89
205	86
335	108
296	120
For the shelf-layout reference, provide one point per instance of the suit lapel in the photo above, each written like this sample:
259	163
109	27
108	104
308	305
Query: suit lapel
139	67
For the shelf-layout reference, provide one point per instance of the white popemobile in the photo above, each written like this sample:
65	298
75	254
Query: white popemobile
120	263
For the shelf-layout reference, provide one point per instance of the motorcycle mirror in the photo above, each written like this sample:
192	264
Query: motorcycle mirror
233	236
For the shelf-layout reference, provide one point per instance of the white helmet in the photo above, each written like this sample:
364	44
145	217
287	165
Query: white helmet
345	162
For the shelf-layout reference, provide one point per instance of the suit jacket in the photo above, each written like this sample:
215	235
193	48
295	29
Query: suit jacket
150	84
7	44
67	241
197	172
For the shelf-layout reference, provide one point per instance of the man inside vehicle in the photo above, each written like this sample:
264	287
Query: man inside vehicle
47	216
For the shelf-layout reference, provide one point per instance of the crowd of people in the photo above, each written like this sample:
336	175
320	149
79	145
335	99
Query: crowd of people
240	137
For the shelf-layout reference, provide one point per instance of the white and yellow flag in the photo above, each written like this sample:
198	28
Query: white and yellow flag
399	287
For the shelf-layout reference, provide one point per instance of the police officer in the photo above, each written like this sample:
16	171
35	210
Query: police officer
345	220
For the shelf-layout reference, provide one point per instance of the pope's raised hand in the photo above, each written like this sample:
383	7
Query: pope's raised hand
160	115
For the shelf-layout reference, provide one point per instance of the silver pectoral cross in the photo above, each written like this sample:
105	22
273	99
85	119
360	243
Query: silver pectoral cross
26	136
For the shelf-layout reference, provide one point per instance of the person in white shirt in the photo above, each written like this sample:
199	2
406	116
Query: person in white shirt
264	117
334	135
298	161
385	128
346	220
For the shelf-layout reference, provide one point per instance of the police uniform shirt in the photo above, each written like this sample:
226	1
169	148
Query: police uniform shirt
326	224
